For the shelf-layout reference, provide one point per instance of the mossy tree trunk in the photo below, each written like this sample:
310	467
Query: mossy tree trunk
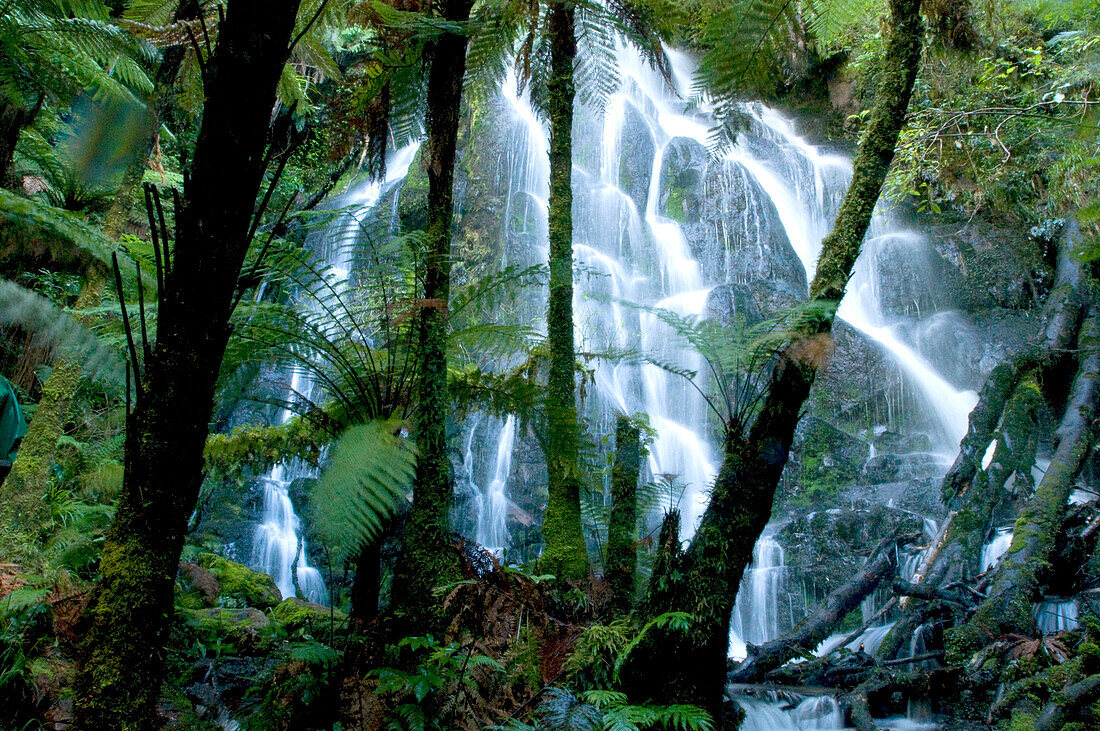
740	504
428	559
23	509
1006	416
127	621
1008	604
622	538
565	554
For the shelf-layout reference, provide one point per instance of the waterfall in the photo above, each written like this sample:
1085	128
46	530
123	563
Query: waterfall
756	613
492	531
1056	614
278	540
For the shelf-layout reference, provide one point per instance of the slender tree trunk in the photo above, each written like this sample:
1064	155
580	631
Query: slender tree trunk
122	663
565	553
740	503
428	559
622	538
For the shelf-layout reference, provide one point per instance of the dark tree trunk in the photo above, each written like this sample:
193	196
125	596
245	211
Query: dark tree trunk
122	666
429	558
622	539
565	554
13	120
816	627
740	503
366	585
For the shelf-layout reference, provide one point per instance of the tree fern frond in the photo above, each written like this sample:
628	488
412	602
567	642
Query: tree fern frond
366	478
54	327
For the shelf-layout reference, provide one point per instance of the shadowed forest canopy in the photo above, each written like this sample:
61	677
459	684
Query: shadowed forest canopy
633	365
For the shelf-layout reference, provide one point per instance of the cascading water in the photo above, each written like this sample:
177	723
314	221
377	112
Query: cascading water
756	614
997	547
278	543
492	529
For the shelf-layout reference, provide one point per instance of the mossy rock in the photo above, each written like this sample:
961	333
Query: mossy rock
240	584
295	614
242	628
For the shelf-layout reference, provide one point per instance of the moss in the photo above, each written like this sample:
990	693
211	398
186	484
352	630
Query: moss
221	630
295	614
239	584
1022	722
960	643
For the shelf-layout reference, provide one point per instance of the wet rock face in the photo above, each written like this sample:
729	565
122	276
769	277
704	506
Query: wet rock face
636	151
738	236
992	266
682	195
900	467
825	548
823	461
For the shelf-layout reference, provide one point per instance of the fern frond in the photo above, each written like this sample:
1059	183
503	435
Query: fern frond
367	477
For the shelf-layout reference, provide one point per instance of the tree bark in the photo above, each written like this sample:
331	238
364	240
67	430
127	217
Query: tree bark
429	559
565	554
740	504
622	539
816	627
127	621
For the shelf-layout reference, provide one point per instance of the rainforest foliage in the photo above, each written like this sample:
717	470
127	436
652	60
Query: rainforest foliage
320	381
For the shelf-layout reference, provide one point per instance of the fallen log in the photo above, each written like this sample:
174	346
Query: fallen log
1055	713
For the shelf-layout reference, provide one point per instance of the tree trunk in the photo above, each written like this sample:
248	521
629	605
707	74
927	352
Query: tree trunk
740	503
814	628
1008	605
12	121
23	509
565	554
622	539
428	559
127	621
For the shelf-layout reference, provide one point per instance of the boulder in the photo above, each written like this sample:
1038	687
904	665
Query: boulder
240	628
240	585
295	614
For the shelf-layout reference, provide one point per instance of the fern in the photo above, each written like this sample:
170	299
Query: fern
52	326
367	477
